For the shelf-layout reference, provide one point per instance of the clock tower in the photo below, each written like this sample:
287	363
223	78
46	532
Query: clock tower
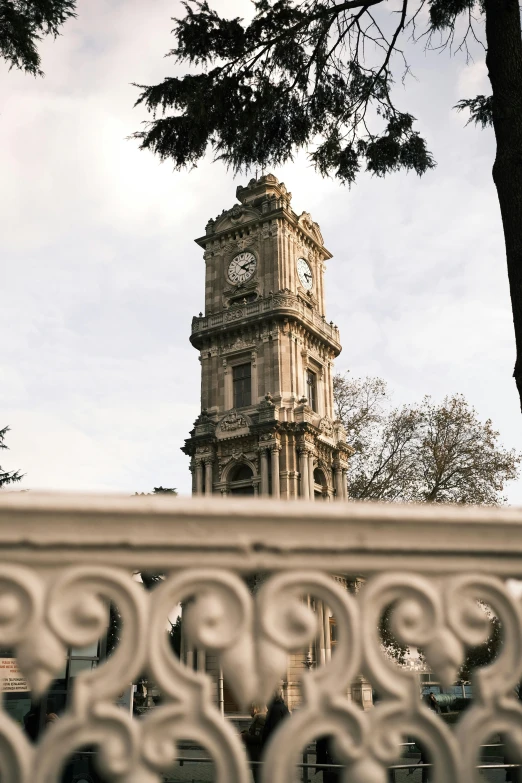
267	424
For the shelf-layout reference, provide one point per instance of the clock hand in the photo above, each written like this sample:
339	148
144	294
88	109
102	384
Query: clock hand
308	277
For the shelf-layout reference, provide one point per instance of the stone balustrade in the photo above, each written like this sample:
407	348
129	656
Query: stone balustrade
64	558
285	303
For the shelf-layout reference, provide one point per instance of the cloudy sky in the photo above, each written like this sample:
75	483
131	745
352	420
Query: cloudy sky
100	276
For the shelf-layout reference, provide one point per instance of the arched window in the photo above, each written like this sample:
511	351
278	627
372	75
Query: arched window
241	473
319	477
240	481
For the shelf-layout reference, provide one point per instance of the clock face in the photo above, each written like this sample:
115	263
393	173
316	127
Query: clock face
304	273
242	267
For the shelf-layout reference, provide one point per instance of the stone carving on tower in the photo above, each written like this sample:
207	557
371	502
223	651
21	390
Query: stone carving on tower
266	348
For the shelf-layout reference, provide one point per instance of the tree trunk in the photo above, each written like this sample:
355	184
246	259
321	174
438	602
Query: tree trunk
504	61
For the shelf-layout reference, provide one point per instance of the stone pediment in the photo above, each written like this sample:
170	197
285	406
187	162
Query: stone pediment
311	228
232	425
231	218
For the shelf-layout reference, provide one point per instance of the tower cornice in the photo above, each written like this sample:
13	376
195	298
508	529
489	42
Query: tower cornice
302	224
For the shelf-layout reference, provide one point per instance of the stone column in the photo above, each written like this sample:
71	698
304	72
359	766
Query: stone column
264	472
221	698
338	480
311	481
321	640
362	693
199	477
311	657
345	484
327	640
208	475
275	470
303	467
254	384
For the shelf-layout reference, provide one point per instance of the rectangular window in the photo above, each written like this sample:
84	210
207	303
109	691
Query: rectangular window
311	389
242	382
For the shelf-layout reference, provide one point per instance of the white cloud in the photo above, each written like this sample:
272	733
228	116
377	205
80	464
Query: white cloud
473	79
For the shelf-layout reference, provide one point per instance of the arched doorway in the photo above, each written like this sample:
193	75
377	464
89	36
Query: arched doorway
240	480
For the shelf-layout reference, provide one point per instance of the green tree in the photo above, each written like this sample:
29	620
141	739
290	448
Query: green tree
319	74
486	652
165	491
160	491
475	657
22	25
8	477
426	452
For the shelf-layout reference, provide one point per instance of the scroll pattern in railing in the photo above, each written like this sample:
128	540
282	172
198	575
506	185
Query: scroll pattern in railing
58	598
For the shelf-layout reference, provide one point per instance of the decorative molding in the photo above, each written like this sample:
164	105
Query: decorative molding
326	426
311	228
239	344
237	445
234	313
233	218
232	421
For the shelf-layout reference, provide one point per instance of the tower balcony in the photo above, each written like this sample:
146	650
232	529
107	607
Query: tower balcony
65	559
279	305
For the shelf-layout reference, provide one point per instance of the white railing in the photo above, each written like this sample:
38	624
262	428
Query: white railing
64	557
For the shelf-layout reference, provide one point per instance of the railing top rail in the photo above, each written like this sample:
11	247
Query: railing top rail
260	533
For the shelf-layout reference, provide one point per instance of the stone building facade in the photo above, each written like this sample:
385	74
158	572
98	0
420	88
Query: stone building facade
267	424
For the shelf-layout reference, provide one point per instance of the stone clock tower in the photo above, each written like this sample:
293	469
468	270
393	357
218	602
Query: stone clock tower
267	423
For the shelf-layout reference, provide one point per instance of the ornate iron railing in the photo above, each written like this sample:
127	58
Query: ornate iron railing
64	557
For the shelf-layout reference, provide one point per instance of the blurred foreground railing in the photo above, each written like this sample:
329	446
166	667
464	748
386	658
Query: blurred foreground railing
64	559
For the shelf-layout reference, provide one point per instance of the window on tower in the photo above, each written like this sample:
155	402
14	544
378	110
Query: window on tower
242	382
311	389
